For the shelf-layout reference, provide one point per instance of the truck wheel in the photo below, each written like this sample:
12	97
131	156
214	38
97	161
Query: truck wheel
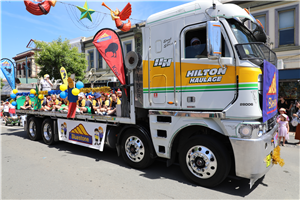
34	129
205	161
48	131
135	149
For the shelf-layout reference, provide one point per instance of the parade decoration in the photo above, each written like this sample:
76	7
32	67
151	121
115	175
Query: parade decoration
41	96
15	91
13	96
32	91
31	95
63	95
14	103
118	17
79	85
86	12
63	87
72	99
64	76
42	8
270	91
276	157
103	89
108	43
7	68
75	92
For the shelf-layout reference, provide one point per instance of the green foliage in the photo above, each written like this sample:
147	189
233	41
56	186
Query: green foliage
57	54
2	84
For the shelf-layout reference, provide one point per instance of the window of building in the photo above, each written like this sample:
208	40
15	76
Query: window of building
29	69
263	17
99	61
287	26
127	46
90	59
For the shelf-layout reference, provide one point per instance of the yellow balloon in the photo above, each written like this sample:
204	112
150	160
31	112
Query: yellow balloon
41	96
63	87
75	91
32	91
15	91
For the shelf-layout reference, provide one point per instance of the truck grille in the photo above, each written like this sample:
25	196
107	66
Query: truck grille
271	123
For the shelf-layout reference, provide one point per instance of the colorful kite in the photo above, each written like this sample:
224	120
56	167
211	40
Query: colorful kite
117	16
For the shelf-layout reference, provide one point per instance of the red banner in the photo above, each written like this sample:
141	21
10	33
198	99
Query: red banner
108	44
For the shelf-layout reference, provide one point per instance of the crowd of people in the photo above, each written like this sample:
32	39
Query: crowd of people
285	110
7	110
97	103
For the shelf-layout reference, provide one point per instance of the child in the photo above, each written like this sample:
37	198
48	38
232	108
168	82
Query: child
284	128
27	104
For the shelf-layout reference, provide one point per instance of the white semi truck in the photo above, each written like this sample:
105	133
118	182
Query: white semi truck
199	104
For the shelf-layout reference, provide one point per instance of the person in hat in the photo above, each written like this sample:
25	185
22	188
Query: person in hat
282	111
283	128
119	94
46	83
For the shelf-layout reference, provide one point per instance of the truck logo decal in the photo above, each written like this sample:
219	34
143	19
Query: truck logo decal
246	104
161	62
167	42
204	72
79	134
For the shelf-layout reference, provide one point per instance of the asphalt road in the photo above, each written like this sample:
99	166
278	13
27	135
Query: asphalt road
33	170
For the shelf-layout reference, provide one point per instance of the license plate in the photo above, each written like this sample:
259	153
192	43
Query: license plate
268	160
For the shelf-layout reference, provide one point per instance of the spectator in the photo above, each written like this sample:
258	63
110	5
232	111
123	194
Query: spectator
283	111
27	104
282	104
113	105
297	134
46	83
283	129
6	106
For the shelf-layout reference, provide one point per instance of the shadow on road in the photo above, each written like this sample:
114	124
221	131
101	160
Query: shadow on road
158	170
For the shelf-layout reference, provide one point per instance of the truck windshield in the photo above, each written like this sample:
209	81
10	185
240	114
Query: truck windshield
248	48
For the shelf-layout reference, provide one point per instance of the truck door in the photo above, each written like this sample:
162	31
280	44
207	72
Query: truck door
205	84
163	83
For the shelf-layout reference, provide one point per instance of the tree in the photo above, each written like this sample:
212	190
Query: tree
2	84
56	54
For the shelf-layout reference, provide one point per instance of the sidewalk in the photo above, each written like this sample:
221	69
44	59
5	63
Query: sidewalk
292	142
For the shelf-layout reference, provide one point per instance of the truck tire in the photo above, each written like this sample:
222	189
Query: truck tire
135	149
47	130
204	160
34	129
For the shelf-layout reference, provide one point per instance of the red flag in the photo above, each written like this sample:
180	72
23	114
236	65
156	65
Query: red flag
108	44
72	110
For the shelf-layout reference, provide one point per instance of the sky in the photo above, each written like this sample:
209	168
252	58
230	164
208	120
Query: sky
18	26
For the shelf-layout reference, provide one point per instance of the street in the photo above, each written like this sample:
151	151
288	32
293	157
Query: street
34	170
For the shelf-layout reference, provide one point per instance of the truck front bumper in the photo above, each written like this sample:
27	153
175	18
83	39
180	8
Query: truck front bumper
251	155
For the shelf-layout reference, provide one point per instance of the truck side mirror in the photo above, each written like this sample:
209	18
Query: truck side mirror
213	39
259	34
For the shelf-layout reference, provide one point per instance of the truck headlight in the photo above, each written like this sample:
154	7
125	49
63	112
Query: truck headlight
261	130
245	131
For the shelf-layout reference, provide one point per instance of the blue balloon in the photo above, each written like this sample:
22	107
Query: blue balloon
13	96
63	95
31	95
14	103
79	85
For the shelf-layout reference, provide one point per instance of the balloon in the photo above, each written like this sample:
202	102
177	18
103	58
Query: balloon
75	92
63	95
79	85
32	91
32	95
15	91
41	96
14	103
13	96
63	87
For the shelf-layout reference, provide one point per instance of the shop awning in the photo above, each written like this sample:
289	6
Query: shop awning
289	74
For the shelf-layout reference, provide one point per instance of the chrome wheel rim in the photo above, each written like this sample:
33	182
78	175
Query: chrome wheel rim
32	128
201	162
134	149
47	131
